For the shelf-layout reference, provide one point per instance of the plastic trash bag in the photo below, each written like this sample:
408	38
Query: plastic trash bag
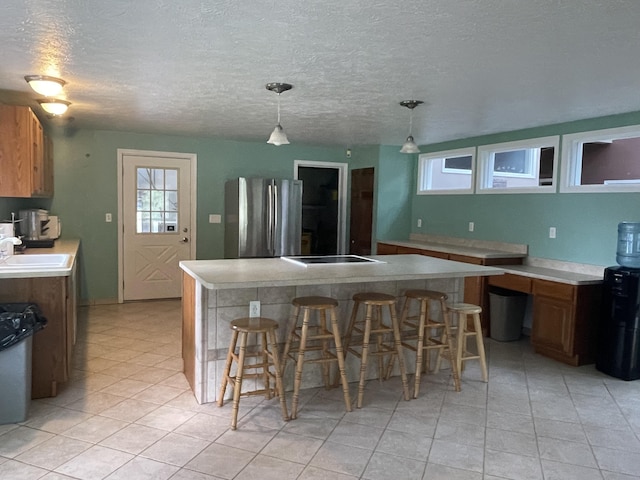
18	321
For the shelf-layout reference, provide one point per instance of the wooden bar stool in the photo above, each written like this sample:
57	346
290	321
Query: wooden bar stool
468	328
386	338
306	337
422	334
267	365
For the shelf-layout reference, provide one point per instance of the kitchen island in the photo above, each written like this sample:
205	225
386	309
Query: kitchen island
214	292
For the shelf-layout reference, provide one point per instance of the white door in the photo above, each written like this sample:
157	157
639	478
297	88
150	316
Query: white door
156	217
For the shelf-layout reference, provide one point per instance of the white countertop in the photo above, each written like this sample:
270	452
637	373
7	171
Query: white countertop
467	251
553	275
276	272
65	247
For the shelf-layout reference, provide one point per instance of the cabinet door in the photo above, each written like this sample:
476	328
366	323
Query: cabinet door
409	251
37	156
386	249
553	321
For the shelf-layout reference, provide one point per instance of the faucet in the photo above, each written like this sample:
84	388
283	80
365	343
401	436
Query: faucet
6	246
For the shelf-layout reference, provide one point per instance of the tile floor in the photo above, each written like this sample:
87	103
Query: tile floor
128	414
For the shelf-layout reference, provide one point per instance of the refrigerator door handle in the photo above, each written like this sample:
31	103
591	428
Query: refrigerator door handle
270	219
275	226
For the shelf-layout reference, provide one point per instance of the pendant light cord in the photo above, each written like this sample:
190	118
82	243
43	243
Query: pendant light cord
278	109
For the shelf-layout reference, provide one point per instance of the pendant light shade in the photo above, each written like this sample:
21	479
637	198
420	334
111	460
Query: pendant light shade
278	137
54	106
45	85
409	146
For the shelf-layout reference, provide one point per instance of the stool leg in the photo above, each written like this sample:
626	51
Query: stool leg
449	340
293	321
480	344
347	337
365	354
462	340
265	369
325	351
403	318
420	346
273	342
238	381
400	353
340	354
227	368
298	376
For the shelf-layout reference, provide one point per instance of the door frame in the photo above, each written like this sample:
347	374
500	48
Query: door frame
343	174
193	160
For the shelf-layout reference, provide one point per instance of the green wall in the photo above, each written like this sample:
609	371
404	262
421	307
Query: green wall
86	189
586	223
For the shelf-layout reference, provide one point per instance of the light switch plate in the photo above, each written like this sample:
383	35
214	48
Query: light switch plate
215	218
552	232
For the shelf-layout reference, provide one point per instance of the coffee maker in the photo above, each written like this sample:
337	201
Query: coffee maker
33	224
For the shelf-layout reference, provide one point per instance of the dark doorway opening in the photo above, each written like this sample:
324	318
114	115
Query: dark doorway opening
320	210
361	217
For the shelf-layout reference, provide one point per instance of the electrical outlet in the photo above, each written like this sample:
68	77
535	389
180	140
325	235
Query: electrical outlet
107	217
552	232
472	226
254	309
419	222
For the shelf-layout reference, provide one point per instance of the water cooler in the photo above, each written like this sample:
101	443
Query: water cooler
618	352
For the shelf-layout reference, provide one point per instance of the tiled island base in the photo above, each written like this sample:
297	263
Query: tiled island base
219	307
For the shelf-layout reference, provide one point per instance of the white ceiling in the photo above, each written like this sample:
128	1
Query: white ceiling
195	67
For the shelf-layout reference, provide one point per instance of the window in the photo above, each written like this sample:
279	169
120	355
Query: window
524	166
601	161
446	172
157	204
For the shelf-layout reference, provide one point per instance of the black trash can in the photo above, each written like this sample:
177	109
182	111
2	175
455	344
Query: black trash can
18	322
507	309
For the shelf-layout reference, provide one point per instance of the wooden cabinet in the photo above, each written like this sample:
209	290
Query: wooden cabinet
564	320
386	249
52	347
26	160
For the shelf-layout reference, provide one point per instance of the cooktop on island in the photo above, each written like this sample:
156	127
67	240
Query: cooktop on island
305	261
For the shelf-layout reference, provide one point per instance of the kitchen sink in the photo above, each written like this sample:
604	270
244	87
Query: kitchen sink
36	261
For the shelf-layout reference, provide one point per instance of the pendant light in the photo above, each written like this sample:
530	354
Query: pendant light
45	85
409	146
278	137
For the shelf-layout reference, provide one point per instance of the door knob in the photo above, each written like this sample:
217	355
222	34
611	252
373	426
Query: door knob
184	240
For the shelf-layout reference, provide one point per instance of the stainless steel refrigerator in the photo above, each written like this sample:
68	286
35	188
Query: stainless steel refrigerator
263	217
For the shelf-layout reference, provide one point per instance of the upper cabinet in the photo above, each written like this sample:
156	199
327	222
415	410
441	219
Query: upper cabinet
26	158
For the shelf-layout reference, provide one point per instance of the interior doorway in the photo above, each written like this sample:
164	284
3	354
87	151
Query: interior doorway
323	206
361	218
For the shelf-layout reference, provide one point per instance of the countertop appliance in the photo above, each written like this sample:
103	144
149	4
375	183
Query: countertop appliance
34	224
263	217
55	228
618	352
305	261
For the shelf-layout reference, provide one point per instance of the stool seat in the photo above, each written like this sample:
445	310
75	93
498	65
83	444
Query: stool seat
386	337
374	298
266	366
317	337
315	303
422	333
253	324
464	307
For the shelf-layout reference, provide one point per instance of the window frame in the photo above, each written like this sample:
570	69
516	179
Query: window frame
484	175
424	169
572	160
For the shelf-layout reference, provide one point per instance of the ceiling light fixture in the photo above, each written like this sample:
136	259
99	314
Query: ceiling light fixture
54	106
409	146
278	137
45	85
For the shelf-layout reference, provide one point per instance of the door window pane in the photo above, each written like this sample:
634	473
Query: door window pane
157	194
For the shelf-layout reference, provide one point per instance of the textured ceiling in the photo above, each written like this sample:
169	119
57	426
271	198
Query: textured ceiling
199	67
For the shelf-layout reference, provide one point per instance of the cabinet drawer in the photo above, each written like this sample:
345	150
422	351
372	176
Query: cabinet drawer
511	282
561	291
434	254
408	251
465	259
